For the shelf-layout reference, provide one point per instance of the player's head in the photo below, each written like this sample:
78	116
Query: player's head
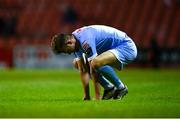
63	43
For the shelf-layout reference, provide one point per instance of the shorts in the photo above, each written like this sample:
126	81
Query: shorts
125	53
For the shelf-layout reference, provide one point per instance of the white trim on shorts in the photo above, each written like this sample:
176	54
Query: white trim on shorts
116	55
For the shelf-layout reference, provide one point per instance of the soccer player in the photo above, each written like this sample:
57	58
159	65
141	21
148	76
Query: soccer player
105	48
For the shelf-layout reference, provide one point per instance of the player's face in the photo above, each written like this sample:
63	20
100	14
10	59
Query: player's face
70	45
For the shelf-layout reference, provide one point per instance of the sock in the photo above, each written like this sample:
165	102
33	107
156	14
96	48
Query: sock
104	82
109	73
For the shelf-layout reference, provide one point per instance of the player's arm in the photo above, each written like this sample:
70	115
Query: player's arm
91	54
96	85
89	48
93	76
78	63
84	73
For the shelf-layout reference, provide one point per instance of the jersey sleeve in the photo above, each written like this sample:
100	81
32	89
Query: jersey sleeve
91	52
89	45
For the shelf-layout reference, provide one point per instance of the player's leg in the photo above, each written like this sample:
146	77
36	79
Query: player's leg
96	87
100	64
109	88
108	58
97	79
108	72
115	57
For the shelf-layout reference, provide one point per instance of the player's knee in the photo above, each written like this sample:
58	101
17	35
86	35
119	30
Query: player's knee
95	63
75	64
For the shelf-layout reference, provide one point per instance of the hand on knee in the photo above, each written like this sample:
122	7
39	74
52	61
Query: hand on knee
75	64
95	64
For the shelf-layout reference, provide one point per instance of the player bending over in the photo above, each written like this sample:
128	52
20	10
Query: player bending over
105	47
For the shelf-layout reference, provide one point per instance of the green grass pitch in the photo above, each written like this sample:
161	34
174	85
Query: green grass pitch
58	93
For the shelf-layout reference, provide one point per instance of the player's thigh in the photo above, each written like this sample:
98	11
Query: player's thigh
106	58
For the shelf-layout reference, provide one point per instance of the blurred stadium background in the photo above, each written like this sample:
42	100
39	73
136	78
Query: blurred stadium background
26	27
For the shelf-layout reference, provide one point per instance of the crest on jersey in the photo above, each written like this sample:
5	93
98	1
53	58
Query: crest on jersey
87	48
85	45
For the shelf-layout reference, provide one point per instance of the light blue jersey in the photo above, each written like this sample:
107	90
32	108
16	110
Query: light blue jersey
96	39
